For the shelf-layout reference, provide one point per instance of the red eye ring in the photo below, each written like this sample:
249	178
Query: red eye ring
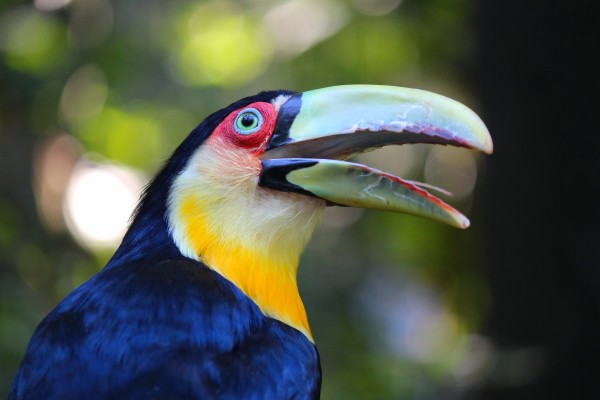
252	138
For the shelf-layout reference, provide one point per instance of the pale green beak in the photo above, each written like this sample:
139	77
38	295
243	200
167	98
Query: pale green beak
318	129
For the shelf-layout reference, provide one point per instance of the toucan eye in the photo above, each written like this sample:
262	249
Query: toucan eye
248	121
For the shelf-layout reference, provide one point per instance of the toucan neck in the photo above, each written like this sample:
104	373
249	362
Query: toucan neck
266	274
263	263
252	236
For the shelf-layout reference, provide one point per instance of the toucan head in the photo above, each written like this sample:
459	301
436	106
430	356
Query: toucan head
252	180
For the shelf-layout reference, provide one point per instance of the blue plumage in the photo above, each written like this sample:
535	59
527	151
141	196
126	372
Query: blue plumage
169	329
154	324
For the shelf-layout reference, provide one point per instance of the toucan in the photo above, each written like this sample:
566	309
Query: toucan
200	300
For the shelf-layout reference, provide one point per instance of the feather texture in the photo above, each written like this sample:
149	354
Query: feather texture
172	329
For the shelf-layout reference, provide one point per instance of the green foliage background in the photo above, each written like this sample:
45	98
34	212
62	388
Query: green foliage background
129	79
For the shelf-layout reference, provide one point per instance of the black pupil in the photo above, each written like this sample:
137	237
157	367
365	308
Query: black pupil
248	120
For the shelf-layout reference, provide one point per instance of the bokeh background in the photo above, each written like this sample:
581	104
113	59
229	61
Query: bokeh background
95	94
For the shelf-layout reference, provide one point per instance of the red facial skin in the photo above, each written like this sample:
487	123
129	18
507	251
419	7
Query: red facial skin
255	142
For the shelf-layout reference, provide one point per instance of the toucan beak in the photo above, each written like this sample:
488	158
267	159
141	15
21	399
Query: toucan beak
317	130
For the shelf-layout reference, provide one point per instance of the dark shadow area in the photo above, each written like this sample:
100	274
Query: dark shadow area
539	81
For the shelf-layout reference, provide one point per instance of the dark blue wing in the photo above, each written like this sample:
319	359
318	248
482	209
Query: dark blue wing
173	329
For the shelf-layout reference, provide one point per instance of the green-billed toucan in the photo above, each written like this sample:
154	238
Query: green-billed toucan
200	300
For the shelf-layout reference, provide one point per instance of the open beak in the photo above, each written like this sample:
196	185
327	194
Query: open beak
317	130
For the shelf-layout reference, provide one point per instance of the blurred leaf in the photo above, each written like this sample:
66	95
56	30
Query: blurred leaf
219	45
127	136
33	42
